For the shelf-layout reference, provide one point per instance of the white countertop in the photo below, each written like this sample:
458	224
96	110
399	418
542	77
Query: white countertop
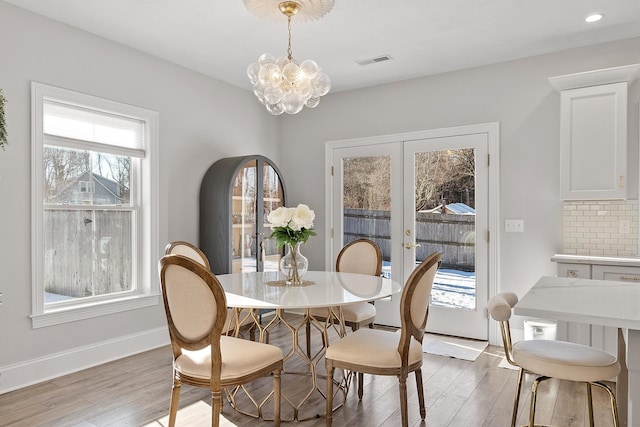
597	302
599	260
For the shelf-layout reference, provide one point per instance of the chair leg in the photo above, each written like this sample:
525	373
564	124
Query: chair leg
175	399
516	402
329	410
402	385
614	404
590	404
360	386
277	393
423	412
216	408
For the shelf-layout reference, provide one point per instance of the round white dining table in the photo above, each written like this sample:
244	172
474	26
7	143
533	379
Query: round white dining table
251	293
267	290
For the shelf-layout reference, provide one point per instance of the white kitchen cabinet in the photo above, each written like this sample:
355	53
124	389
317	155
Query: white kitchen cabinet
601	268
593	133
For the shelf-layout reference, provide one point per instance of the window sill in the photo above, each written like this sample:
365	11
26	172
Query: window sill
89	311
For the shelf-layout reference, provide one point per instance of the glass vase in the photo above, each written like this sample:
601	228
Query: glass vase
294	265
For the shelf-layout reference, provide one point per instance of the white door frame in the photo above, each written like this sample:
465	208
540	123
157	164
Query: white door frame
492	131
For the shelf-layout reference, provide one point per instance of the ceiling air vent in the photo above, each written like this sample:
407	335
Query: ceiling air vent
380	58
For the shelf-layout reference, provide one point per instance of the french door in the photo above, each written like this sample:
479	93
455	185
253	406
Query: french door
414	194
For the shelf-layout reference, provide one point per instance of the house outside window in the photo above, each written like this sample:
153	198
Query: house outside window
95	206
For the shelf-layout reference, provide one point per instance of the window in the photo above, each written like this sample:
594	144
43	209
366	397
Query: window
94	206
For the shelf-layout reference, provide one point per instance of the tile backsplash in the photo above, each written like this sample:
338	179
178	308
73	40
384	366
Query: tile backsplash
600	228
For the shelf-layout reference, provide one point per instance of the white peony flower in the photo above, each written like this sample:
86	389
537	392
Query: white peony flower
302	217
280	217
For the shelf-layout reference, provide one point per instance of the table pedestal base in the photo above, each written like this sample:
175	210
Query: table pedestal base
299	367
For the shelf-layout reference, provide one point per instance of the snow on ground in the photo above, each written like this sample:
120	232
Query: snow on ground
451	288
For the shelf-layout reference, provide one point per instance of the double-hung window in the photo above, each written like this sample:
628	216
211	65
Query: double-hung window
95	213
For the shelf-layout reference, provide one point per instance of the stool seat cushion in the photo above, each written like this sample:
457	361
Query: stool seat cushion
565	360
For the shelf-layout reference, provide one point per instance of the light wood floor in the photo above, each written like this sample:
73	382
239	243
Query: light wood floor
135	392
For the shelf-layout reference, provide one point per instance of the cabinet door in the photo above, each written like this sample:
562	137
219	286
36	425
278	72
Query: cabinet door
272	198
593	142
244	199
256	191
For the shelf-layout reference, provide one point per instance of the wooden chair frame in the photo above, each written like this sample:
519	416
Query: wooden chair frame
211	339
239	322
414	321
378	271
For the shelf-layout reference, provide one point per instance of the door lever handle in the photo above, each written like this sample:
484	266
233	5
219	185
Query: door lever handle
410	245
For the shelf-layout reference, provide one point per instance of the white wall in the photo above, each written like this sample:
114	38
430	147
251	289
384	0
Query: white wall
516	94
201	121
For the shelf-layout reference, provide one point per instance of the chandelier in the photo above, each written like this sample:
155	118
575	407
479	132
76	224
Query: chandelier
280	83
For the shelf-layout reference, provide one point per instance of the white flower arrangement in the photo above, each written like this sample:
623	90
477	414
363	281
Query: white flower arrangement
291	225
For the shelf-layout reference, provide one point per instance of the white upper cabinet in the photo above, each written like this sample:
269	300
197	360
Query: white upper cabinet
593	133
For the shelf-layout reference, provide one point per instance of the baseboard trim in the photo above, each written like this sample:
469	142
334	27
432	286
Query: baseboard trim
23	374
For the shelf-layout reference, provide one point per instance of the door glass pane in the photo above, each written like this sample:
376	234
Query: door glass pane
244	219
445	221
367	203
273	198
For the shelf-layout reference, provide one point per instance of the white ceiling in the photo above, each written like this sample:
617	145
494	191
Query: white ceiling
220	38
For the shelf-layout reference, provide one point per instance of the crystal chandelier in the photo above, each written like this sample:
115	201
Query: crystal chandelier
281	84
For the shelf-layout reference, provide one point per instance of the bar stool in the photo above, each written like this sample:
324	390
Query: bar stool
553	359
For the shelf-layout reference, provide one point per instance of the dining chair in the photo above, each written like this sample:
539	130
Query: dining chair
382	352
196	310
552	359
243	317
362	256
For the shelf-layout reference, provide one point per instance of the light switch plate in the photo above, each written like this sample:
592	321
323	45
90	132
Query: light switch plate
514	225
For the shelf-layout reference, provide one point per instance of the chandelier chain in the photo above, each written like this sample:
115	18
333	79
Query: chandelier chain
289	51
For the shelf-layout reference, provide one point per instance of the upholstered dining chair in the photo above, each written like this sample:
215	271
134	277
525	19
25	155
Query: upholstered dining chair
382	352
196	310
552	359
189	250
362	256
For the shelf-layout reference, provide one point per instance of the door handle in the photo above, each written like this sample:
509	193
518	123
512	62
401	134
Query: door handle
410	245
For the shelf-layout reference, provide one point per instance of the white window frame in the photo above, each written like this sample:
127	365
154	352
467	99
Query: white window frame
145	252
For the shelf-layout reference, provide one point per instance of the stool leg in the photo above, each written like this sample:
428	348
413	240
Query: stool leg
590	404
517	399
614	404
534	395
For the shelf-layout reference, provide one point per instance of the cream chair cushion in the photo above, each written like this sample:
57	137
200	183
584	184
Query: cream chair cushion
565	360
374	348
239	358
356	312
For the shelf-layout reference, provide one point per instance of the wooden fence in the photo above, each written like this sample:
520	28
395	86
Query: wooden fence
87	252
452	234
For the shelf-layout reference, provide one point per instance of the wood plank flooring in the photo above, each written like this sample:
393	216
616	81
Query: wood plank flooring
135	391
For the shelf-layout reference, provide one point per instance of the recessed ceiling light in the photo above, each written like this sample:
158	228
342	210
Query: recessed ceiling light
594	18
